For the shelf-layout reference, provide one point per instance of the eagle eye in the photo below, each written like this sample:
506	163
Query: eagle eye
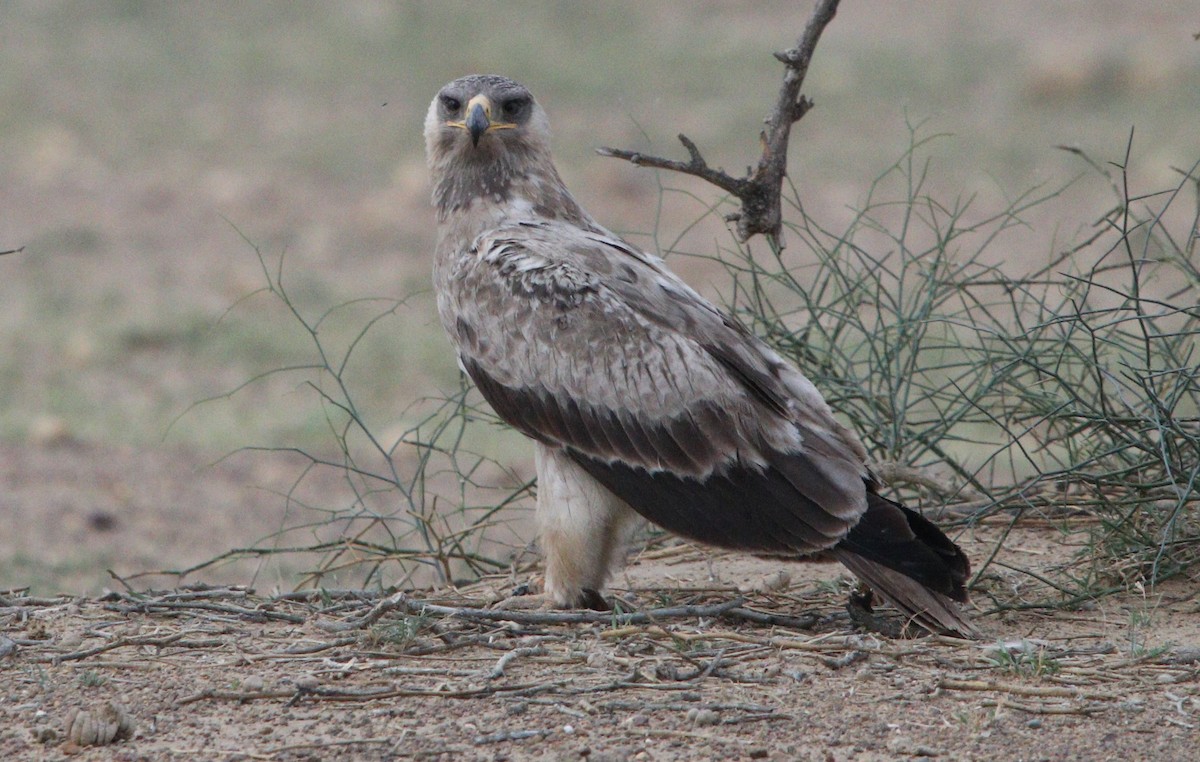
514	106
451	104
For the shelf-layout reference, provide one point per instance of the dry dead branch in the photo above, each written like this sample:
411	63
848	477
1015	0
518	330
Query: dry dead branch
760	191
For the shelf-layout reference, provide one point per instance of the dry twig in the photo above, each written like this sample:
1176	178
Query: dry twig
760	191
401	600
1037	691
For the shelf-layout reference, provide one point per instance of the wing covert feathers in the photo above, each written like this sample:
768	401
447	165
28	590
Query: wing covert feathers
687	474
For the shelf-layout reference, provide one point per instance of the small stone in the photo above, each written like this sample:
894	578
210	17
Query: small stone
252	684
307	683
102	521
1035	723
49	431
905	745
701	717
1183	655
771	583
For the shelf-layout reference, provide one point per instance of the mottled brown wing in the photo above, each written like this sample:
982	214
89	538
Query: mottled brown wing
581	342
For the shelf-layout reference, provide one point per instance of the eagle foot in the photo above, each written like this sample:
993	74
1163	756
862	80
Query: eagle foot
591	599
860	607
526	596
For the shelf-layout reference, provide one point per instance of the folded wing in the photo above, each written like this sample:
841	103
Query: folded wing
584	343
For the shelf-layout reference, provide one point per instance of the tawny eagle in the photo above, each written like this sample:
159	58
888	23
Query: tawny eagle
640	395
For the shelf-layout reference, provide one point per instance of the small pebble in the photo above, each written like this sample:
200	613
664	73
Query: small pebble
1185	655
307	682
252	684
1035	723
703	717
49	431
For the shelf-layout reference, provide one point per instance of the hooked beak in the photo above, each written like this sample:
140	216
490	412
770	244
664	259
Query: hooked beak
479	112
479	119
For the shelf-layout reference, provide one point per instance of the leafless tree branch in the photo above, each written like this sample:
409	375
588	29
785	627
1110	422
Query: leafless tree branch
761	190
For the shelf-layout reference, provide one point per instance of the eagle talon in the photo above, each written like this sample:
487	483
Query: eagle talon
860	607
591	599
863	598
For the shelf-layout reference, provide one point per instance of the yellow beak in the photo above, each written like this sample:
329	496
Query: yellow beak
479	119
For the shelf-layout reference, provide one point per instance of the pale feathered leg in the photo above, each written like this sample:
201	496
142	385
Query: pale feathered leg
583	526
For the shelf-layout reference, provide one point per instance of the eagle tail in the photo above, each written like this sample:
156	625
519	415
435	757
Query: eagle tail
911	564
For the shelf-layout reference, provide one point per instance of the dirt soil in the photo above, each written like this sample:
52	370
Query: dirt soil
227	673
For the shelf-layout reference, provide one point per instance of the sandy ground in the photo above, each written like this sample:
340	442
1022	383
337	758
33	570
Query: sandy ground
84	508
228	673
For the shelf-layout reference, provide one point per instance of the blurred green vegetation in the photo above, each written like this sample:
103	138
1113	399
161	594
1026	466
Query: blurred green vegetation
135	136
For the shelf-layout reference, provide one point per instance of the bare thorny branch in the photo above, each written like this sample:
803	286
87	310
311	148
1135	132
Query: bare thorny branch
760	192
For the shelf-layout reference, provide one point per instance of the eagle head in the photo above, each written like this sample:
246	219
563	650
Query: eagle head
483	118
487	142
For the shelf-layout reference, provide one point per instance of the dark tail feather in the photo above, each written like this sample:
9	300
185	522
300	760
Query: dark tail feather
911	564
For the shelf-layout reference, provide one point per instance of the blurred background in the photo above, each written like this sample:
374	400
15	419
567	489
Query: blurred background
147	148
